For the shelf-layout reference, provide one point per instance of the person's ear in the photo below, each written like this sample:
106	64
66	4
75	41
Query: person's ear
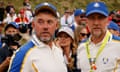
86	21
57	25
33	24
108	21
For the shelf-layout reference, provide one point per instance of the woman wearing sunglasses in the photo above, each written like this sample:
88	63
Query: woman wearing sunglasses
81	34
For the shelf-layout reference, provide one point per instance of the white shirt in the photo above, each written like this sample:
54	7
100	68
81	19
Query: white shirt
42	58
28	14
69	21
107	61
9	19
75	24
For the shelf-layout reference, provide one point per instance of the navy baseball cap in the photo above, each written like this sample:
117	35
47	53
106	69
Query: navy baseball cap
12	24
46	6
79	12
97	7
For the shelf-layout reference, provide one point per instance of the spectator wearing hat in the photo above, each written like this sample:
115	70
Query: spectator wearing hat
9	45
79	17
22	21
66	41
40	54
11	34
100	53
11	28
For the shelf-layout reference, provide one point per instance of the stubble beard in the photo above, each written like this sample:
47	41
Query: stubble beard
97	34
45	40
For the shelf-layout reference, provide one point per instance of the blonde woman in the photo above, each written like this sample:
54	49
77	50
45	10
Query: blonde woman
81	34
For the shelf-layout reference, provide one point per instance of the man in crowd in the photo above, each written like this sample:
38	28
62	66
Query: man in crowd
66	19
9	45
40	54
100	53
79	17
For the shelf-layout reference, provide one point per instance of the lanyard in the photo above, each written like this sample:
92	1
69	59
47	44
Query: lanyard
93	60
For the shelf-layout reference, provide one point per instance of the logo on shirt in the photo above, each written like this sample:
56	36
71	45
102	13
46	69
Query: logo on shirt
105	60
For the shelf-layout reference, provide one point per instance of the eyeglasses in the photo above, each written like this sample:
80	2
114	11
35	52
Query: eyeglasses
84	34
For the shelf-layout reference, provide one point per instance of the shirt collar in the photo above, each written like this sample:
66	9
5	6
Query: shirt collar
38	43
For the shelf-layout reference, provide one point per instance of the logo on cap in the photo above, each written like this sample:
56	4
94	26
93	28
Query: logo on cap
82	10
96	5
46	4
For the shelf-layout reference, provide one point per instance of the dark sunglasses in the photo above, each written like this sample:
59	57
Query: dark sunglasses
118	16
84	34
82	16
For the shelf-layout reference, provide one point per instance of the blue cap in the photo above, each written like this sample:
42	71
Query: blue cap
79	12
14	24
97	7
113	26
46	6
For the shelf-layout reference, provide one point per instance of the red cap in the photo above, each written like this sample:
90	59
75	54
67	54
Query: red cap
22	11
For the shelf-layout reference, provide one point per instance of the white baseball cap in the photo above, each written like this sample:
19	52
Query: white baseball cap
67	30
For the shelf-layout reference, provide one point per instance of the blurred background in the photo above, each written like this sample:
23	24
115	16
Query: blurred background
62	5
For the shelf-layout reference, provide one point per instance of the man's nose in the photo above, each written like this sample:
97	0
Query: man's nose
45	26
96	22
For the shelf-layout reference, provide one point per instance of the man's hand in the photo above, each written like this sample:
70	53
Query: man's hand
5	64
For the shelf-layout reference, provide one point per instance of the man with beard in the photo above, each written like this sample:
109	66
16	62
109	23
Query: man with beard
9	45
40	54
100	53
